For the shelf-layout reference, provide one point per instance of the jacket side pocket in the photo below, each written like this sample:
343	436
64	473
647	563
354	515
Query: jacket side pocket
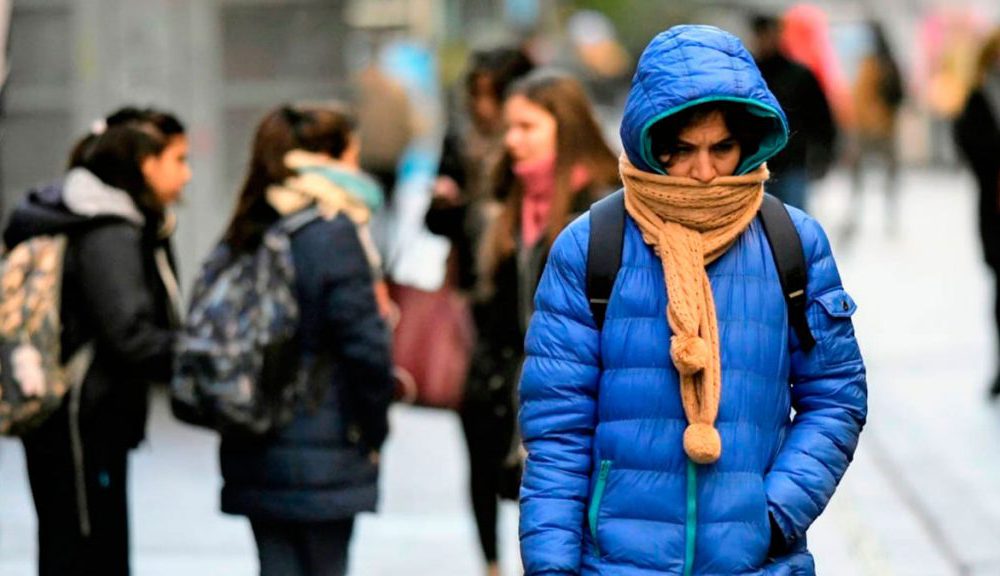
595	502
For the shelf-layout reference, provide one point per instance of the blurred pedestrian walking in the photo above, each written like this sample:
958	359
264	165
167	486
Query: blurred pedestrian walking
812	133
666	444
461	205
472	148
977	134
302	486
878	96
554	164
119	299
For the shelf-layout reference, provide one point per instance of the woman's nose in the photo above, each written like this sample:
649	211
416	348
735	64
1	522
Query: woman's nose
703	170
509	139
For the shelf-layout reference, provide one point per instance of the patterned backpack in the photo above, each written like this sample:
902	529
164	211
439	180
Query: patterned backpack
33	381
237	368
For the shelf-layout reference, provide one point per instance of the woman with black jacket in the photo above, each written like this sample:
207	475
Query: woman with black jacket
119	297
302	487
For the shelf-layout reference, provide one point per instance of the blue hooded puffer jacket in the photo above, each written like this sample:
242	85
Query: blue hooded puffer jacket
607	487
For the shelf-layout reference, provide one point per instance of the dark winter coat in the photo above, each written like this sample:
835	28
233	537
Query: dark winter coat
318	468
501	323
812	132
977	133
115	294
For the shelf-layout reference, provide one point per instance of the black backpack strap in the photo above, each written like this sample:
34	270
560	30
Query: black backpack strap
604	251
786	247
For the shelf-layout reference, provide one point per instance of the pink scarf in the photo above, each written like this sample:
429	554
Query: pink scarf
538	179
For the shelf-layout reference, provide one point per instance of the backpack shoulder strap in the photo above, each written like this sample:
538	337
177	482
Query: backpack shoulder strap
789	259
294	222
604	251
604	254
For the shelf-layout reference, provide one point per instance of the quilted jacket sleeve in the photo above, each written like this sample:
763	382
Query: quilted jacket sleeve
558	411
829	395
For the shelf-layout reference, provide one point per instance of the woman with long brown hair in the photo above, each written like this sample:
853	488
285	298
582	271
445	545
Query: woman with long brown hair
302	486
555	163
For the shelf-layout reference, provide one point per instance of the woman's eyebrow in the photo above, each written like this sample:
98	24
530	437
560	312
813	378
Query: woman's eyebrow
727	139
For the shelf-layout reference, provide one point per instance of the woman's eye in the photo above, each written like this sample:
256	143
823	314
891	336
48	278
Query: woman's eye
724	147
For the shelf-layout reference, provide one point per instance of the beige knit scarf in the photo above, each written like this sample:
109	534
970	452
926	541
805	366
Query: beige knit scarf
690	225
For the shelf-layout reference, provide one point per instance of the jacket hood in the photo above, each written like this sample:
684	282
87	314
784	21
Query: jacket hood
73	203
689	65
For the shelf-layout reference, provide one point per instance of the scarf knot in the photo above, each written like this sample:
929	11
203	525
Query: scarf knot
691	224
689	353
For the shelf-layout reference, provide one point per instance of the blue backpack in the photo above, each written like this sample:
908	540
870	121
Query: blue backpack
237	368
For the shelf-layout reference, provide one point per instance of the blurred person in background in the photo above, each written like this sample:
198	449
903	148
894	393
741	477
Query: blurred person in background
661	441
977	134
302	522
554	165
472	148
805	38
386	123
120	295
878	96
600	61
810	150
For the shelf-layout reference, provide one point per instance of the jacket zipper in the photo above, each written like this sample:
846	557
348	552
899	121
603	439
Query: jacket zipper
691	525
595	502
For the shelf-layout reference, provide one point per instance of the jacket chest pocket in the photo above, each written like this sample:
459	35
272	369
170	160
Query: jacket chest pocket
830	319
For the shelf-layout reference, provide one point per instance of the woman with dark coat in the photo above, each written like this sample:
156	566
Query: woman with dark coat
555	163
302	487
977	133
120	299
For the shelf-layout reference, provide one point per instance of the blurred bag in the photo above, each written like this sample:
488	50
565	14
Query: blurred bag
432	345
237	367
33	381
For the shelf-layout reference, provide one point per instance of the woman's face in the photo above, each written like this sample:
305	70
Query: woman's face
705	150
531	130
484	105
168	172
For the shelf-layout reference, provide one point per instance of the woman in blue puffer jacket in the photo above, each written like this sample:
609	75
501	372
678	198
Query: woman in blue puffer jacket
664	443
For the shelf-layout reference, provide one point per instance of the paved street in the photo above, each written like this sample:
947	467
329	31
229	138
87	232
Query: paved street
922	499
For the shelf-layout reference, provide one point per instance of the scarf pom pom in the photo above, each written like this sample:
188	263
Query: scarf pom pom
689	353
702	443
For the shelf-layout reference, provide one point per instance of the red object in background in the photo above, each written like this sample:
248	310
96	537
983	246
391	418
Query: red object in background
432	346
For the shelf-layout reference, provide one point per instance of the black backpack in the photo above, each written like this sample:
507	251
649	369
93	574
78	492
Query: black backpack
607	238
